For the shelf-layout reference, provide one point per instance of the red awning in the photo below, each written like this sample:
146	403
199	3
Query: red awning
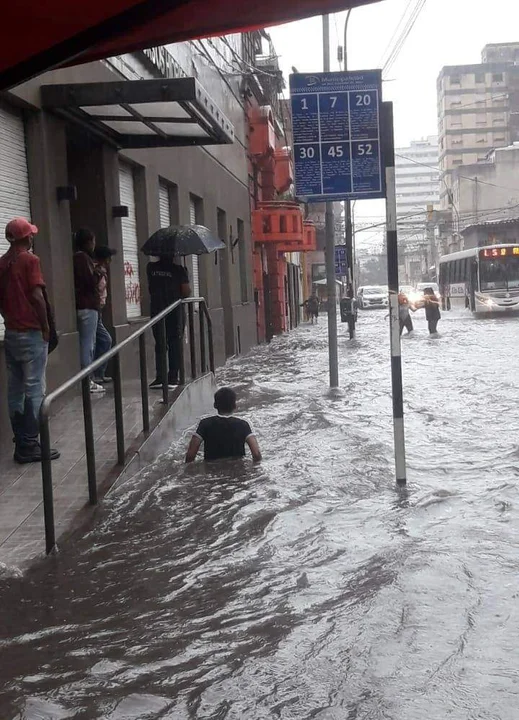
37	35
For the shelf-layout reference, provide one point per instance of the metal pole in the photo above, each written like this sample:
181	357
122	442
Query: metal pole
201	319
330	248
46	476
182	358
388	142
118	401
145	400
192	340
348	214
210	342
164	360
89	441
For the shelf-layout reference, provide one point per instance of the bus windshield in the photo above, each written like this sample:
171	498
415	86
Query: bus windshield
499	273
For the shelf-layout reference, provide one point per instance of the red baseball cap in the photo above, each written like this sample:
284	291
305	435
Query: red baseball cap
19	228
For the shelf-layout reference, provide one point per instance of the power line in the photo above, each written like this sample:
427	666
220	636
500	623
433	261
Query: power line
404	35
386	52
465	177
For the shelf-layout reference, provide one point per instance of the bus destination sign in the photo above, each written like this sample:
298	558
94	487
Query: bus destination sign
498	252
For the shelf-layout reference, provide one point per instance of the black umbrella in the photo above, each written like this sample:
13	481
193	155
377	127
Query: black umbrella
182	240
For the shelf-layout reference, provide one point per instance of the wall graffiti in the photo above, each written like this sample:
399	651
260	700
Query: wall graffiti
132	287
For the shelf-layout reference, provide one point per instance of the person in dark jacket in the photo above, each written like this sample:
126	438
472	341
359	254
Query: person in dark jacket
87	298
103	257
167	282
432	309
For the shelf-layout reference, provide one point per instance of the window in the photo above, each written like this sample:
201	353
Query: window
497	77
242	251
479	77
481	123
499	139
481	139
457	141
455	103
455	80
457	162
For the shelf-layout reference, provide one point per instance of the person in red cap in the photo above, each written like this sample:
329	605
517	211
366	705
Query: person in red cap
27	327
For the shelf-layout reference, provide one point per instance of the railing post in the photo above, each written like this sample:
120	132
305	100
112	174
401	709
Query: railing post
192	340
201	318
118	401
164	360
145	400
46	476
210	342
89	441
181	359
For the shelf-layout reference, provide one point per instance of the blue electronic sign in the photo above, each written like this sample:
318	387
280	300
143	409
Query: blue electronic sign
335	119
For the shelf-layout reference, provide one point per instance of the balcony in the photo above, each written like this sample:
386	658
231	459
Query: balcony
280	223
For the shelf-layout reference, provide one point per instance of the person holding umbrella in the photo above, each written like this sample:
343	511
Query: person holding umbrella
169	282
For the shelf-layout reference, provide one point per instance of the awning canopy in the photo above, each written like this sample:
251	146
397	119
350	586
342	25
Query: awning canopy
38	35
143	113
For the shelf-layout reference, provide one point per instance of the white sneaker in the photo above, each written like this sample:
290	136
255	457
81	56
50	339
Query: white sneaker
95	388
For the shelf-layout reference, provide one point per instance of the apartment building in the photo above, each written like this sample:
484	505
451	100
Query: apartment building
417	176
474	111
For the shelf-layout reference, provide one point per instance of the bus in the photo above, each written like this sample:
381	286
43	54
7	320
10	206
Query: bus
483	279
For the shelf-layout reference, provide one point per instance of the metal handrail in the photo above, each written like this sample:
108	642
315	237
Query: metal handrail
83	377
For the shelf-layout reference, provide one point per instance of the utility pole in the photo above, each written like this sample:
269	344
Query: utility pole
330	247
347	204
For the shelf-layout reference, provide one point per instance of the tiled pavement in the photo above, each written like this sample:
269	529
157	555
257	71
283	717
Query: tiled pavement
21	508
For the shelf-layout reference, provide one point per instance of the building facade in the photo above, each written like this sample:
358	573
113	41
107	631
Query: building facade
417	177
489	191
474	111
167	141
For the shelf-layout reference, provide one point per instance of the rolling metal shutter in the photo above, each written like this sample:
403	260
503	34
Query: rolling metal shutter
14	178
164	208
130	243
195	276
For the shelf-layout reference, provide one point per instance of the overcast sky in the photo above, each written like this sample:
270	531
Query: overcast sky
447	32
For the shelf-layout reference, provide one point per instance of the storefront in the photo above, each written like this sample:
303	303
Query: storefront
80	148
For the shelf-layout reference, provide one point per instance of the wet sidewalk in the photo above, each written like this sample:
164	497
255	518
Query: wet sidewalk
21	497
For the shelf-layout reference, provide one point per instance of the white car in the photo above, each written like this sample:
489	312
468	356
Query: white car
372	296
417	295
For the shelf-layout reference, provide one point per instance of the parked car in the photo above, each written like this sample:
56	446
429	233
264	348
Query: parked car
372	296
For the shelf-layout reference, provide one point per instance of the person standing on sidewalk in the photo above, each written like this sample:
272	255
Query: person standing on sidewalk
103	257
27	331
167	282
87	298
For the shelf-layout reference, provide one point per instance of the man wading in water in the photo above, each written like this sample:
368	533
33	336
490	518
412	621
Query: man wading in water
224	435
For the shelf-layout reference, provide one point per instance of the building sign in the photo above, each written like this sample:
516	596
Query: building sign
164	62
335	118
341	267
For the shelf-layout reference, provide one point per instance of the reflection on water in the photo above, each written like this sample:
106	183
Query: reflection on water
308	586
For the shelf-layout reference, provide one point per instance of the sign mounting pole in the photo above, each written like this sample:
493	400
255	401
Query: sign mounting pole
392	281
333	359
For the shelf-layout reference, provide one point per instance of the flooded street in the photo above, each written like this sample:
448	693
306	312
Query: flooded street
309	586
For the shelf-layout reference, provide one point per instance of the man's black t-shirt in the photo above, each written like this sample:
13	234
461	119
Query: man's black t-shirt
165	279
224	436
